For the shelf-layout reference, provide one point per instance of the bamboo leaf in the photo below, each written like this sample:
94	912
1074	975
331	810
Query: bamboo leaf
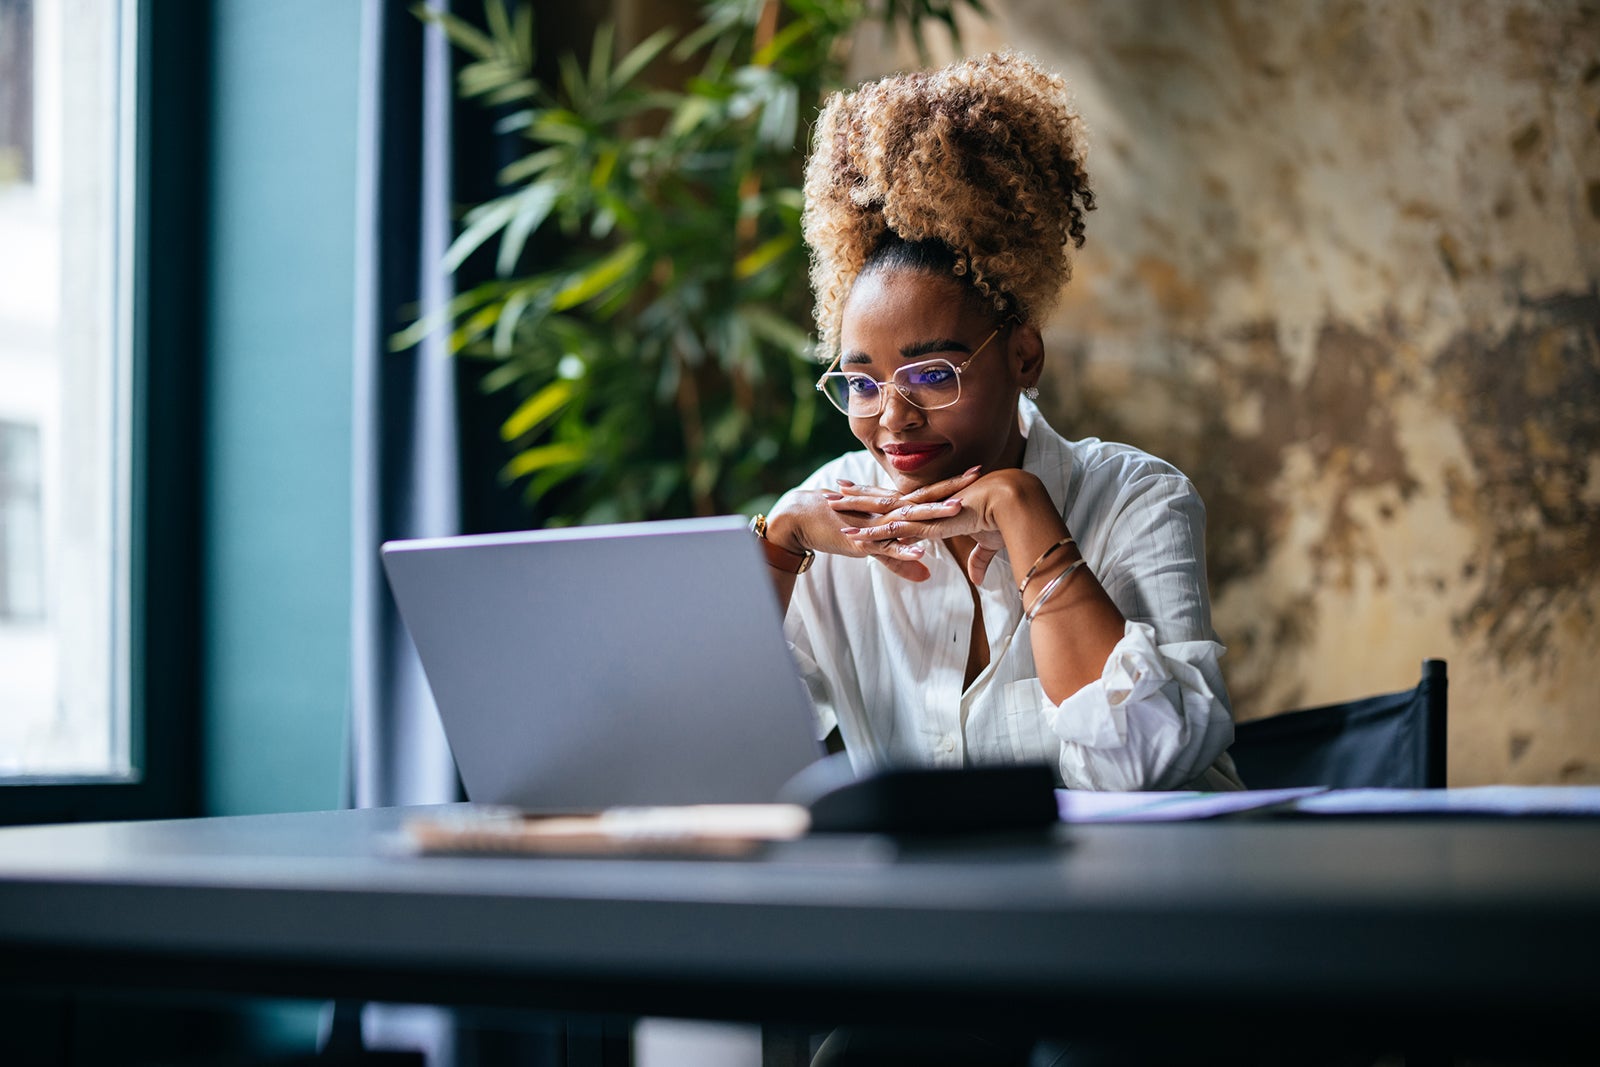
763	255
522	33
780	43
641	56
502	376
521	89
656	100
698	39
691	113
537	409
776	330
587	284
494	11
529	165
604	164
453	309
505	329
705	475
804	418
600	60
487	76
533	207
780	119
475	327
460	33
791	200
515	122
547	480
573	81
559	126
482	228
542	457
620	208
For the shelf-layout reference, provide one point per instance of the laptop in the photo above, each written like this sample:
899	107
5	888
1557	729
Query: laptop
586	668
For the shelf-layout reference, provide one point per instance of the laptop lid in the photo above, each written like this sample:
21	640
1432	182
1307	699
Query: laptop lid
592	667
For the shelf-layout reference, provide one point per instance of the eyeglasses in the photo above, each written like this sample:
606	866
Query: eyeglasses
930	385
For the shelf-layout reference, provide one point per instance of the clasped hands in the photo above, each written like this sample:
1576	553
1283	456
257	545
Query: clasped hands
890	526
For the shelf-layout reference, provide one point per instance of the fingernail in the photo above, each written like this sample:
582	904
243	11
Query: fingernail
849	531
829	494
975	469
915	550
846	482
956	501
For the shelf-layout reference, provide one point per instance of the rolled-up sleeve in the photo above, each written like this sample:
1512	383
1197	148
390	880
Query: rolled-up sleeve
1156	718
1159	716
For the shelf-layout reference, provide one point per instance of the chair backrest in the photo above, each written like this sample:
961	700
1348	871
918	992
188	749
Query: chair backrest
1396	740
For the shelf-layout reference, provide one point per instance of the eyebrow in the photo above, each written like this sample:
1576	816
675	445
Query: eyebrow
913	350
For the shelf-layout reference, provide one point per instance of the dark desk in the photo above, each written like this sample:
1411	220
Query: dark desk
1476	929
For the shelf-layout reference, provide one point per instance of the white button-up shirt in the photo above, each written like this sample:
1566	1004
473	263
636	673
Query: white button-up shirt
885	658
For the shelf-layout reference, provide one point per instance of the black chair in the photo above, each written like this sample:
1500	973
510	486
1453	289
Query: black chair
1396	740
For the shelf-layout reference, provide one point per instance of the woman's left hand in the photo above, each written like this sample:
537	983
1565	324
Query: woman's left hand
880	516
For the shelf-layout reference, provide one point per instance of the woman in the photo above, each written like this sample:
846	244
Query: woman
971	587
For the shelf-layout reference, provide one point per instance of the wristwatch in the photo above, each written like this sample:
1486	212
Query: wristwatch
779	557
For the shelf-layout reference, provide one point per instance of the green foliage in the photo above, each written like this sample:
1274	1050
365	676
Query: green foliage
650	310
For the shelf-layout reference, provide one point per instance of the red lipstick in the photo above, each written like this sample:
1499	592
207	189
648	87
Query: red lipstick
907	456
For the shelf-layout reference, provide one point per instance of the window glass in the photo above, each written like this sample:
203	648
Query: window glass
65	146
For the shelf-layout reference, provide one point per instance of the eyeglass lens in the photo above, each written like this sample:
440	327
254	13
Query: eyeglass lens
931	384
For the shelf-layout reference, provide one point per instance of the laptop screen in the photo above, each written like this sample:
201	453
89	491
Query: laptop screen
593	667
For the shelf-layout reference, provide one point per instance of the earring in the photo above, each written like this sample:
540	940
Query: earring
1031	392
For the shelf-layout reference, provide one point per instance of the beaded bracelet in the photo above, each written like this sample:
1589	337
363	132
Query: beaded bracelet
1046	554
1051	588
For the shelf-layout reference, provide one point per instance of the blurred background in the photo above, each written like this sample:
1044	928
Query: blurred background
1344	273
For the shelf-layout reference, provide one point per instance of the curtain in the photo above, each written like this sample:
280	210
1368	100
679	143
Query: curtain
404	483
419	153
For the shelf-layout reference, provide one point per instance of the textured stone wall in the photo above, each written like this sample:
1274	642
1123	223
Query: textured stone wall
1344	272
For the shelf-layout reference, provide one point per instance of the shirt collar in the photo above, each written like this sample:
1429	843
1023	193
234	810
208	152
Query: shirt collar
1044	452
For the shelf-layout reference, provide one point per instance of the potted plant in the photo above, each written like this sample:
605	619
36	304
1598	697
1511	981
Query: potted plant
662	359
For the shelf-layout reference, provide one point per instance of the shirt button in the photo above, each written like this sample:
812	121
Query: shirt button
948	744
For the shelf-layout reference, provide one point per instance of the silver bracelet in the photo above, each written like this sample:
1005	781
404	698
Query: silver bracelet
1046	554
1051	588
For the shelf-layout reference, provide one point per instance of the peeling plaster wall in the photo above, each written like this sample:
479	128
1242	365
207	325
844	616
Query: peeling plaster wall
1344	272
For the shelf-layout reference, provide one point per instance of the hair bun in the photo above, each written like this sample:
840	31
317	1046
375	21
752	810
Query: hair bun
985	155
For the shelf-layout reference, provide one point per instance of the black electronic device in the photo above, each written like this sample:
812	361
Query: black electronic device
926	801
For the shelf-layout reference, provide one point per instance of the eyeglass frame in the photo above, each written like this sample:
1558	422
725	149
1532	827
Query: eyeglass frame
883	401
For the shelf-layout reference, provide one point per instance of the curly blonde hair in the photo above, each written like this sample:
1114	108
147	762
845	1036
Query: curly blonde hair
984	157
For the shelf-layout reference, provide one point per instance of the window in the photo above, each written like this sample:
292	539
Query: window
65	191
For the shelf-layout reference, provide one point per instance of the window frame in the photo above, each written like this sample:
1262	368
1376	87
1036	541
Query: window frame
166	315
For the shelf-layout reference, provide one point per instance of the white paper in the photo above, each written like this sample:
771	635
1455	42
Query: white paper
1476	800
1081	805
